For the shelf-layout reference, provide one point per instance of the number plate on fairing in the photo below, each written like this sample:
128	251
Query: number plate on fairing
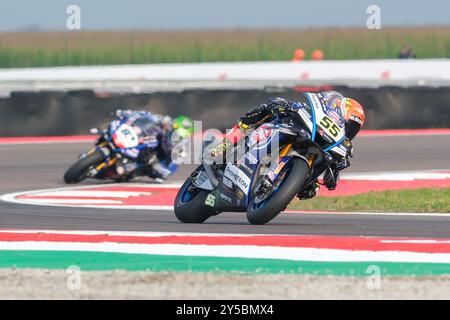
126	137
327	119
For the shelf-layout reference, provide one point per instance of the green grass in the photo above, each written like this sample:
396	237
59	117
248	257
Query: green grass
21	49
418	200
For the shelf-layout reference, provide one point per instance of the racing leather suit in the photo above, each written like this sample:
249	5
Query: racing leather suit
157	147
281	107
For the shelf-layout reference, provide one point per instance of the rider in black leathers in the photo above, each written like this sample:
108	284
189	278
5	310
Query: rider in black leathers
354	119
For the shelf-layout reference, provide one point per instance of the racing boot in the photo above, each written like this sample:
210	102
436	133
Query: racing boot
231	139
221	148
159	172
310	192
125	166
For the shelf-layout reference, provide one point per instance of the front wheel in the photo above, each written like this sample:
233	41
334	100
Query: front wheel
293	177
190	204
80	169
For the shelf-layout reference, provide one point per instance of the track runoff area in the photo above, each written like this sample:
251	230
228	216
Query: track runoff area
242	248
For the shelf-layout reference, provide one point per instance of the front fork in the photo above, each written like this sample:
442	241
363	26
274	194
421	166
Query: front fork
110	159
312	158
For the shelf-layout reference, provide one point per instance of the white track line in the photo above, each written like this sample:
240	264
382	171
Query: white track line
12	197
92	194
399	176
374	214
135	233
232	251
73	201
145	233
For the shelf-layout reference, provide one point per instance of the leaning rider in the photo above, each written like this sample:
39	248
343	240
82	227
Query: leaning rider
354	120
155	133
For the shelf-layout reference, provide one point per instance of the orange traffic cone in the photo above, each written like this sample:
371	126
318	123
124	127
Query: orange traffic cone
299	55
317	55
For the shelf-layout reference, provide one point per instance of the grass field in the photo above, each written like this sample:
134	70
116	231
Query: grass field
136	47
418	200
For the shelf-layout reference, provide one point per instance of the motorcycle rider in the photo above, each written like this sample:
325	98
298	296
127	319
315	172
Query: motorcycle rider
155	146
351	110
183	127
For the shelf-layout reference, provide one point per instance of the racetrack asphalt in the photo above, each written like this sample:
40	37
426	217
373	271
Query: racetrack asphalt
37	166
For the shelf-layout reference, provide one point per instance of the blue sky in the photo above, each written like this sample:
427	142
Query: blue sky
197	14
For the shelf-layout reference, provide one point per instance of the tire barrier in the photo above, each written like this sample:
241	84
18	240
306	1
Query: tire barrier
49	113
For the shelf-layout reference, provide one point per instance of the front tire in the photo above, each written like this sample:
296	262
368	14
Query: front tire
190	205
79	170
277	202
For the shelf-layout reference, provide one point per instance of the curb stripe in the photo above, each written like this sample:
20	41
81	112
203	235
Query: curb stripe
161	197
283	241
89	261
98	250
236	251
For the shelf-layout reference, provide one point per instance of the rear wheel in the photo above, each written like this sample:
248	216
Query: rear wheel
264	207
80	169
190	203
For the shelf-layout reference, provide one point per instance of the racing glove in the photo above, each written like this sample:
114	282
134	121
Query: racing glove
348	144
264	112
255	116
281	106
331	176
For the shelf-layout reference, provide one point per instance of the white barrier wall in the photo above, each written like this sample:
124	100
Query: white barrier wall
364	70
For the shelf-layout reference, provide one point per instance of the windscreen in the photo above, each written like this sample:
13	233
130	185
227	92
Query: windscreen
336	104
146	124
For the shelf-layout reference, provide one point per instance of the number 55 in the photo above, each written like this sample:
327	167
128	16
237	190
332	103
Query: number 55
327	123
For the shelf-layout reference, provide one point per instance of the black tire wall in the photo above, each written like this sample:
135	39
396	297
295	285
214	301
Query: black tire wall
75	112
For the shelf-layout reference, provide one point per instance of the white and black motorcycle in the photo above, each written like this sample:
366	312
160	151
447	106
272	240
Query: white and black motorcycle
278	160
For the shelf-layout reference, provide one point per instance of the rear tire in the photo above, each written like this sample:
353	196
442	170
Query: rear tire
191	208
291	185
79	170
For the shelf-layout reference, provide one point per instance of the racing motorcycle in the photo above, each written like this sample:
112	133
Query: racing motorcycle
110	159
277	161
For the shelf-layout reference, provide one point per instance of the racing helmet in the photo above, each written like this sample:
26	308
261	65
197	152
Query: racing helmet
143	123
354	117
350	110
183	126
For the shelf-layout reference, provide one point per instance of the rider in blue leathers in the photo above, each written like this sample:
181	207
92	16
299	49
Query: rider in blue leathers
154	148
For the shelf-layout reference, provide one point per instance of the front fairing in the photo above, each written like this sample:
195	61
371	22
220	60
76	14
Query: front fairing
324	117
132	151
